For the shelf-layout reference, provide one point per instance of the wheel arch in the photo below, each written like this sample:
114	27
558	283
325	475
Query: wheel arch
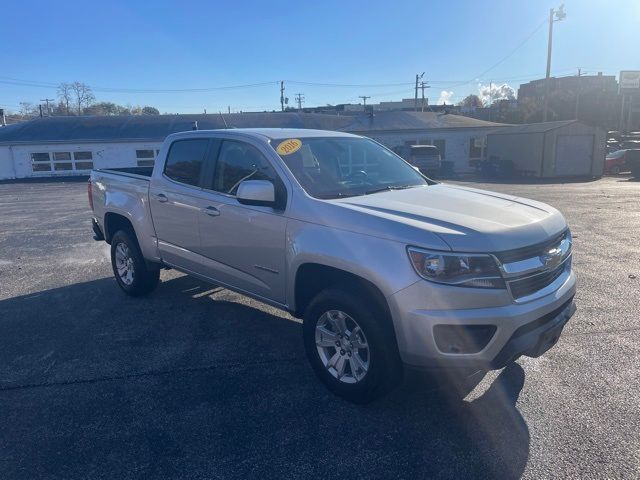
311	278
116	221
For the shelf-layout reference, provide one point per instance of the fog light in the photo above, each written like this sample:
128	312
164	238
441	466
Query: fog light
458	339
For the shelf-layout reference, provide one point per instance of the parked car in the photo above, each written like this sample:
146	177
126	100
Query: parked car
631	161
426	158
615	162
388	270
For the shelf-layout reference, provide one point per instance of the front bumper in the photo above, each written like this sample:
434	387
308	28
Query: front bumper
529	328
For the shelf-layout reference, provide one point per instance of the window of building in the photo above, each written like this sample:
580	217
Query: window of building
41	167
475	147
145	158
62	166
61	156
40	162
238	162
61	161
82	156
441	144
184	162
83	160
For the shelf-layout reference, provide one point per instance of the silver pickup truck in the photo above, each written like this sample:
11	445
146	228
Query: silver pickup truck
388	269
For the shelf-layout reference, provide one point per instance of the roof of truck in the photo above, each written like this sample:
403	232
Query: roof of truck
274	133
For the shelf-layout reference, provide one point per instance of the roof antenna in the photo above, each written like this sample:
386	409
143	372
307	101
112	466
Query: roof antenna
194	126
225	122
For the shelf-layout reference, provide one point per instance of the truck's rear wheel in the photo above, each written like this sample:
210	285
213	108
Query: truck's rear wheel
350	346
132	273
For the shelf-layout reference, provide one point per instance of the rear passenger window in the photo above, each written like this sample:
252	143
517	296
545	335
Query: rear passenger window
184	161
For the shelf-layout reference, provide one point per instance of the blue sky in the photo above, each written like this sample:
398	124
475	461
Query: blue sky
122	45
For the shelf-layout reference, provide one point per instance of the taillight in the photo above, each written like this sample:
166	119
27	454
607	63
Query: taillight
89	194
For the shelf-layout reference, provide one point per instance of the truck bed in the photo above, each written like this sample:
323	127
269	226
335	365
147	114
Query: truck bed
129	171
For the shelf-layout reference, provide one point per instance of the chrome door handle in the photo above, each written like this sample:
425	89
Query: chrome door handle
211	211
162	198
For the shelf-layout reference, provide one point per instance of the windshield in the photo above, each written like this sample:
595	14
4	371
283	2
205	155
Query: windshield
333	167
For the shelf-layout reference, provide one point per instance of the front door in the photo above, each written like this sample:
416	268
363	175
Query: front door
245	244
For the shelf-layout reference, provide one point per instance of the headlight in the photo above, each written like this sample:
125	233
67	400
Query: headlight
464	270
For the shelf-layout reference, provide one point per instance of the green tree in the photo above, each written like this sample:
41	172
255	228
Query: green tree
150	111
471	101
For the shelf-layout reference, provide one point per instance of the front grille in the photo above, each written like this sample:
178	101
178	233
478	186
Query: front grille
515	255
529	285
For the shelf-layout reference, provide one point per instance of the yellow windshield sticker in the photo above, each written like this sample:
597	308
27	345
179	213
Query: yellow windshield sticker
289	146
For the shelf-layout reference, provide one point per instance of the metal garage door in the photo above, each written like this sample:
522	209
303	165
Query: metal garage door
574	154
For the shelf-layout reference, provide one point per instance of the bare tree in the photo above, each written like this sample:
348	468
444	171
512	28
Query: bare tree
83	96
26	109
65	95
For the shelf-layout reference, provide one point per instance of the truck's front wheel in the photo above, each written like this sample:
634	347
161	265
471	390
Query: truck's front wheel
351	346
132	273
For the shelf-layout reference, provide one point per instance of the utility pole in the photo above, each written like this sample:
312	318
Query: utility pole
559	15
47	100
40	106
282	96
578	93
299	100
415	103
364	100
490	98
423	85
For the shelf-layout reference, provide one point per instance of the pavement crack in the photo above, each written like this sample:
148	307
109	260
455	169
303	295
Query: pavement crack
149	373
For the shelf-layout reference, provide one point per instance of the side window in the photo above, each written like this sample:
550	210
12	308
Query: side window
237	162
185	159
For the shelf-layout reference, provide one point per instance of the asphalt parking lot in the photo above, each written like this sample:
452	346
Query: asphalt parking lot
198	382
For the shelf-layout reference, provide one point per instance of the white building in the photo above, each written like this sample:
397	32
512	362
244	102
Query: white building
62	146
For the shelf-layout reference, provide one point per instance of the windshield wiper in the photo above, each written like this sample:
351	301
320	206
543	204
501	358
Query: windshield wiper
388	188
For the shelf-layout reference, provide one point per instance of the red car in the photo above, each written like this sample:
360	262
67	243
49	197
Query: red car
614	162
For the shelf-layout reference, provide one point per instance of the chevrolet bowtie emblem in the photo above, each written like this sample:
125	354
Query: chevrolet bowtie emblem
551	258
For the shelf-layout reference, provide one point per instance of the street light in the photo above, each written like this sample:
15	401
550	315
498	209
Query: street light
559	15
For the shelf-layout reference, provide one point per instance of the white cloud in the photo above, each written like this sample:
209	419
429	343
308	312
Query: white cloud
445	97
493	92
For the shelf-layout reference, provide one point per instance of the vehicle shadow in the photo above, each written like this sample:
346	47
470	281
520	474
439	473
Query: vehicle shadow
196	381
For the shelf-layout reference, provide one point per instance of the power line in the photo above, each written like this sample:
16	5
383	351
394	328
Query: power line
503	59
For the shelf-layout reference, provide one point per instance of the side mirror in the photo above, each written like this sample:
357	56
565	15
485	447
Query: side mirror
256	192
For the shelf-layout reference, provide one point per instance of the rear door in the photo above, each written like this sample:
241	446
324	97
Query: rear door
174	201
244	245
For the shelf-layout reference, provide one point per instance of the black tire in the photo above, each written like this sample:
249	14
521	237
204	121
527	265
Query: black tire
145	277
385	367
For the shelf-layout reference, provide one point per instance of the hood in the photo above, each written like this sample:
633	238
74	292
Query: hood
466	219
